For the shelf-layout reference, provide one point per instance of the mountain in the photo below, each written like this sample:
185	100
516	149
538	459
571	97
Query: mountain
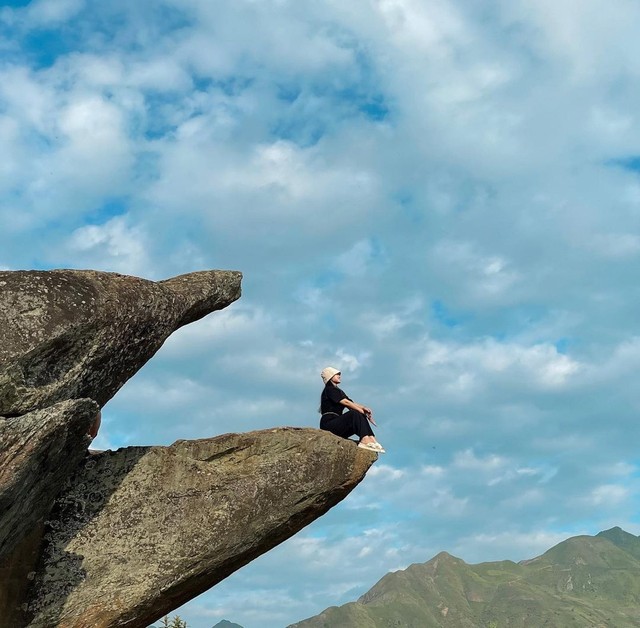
583	582
224	623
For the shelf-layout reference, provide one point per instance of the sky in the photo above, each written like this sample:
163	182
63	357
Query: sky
441	198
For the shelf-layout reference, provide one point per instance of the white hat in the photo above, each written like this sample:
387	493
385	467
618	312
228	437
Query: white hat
328	373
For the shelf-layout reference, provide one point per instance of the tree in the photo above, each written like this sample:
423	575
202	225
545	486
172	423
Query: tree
175	622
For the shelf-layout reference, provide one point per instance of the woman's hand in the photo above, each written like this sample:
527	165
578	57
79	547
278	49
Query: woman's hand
368	412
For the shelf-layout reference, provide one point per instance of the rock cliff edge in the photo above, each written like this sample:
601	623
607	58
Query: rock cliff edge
123	537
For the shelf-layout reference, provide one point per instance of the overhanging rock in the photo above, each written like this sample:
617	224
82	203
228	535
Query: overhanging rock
72	334
142	530
121	538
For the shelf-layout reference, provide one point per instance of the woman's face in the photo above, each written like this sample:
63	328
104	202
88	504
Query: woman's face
336	379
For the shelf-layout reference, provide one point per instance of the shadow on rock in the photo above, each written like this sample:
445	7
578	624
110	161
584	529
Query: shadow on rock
61	569
141	531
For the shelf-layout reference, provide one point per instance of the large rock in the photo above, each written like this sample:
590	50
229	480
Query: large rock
38	452
71	334
121	538
140	531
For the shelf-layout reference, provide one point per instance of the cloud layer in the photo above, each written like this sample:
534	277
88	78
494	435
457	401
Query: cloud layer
439	198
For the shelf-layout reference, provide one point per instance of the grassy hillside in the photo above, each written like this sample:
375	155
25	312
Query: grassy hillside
583	582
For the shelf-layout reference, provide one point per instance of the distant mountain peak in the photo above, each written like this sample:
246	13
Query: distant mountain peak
582	581
445	556
624	540
225	623
617	533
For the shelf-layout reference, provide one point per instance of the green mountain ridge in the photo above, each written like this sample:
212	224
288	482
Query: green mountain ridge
583	582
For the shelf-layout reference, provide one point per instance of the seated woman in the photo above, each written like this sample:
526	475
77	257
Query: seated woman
355	420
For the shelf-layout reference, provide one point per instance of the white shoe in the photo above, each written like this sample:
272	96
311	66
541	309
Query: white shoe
376	447
368	446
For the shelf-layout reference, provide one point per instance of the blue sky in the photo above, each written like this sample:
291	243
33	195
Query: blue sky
439	197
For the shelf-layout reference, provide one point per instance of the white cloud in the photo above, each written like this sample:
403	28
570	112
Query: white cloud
579	32
433	470
275	188
50	13
431	26
438	198
520	545
114	246
487	276
468	368
227	33
469	461
95	154
386	472
28	100
608	495
357	259
350	363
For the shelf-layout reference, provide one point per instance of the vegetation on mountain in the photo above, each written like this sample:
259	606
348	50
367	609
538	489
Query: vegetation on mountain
583	582
178	622
173	622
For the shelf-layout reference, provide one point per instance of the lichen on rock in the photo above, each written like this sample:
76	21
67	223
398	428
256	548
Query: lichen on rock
38	452
72	334
140	531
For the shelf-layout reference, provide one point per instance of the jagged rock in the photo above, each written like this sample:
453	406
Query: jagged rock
142	530
38	452
71	334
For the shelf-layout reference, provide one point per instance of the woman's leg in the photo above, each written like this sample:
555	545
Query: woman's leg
360	426
337	424
347	424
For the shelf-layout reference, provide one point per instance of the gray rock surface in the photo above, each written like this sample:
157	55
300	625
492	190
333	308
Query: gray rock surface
140	531
123	538
38	452
72	334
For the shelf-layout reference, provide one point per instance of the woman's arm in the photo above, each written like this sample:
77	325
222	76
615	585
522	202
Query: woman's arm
359	408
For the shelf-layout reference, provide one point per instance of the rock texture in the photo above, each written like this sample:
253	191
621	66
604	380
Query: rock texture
142	530
72	334
38	452
121	538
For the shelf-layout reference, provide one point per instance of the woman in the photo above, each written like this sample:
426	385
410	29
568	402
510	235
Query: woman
355	420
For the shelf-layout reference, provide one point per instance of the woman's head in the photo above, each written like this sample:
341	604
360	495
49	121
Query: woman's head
330	374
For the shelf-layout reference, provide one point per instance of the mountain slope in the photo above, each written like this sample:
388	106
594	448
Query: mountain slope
582	582
225	623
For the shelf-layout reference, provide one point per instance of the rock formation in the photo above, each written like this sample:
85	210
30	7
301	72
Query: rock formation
73	334
122	538
38	453
167	523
